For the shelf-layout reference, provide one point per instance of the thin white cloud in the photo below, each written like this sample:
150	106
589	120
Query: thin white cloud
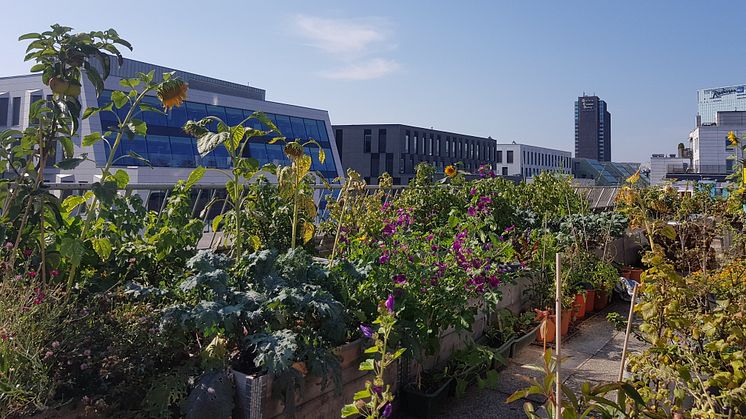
352	43
342	36
368	70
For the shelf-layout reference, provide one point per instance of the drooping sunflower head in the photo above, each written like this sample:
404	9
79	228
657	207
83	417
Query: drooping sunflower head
293	150
172	92
450	171
732	138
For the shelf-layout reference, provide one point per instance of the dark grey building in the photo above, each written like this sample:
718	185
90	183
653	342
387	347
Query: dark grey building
592	129
373	149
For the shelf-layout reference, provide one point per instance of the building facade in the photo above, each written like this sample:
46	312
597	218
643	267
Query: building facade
592	129
710	146
372	149
171	152
663	167
527	161
711	101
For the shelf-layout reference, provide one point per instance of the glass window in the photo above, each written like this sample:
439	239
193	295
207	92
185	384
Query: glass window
312	130
430	145
217	111
222	158
153	118
406	141
16	111
3	111
283	124
299	128
401	165
159	150
196	111
34	98
182	152
233	116
177	116
366	140
414	143
258	151
448	146
509	156
382	141
339	137
275	154
437	145
323	136
505	171
499	156
136	144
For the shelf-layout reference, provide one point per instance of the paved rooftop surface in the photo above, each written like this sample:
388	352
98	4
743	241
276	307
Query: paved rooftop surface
592	353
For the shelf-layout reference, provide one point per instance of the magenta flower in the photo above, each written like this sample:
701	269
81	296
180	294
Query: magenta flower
471	211
400	279
27	252
33	274
8	245
55	273
384	258
39	296
367	331
387	410
378	390
390	303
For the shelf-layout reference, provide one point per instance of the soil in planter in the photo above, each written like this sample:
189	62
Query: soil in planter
425	401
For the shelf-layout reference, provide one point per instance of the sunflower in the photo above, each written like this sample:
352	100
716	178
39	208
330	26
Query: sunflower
450	171
732	138
172	92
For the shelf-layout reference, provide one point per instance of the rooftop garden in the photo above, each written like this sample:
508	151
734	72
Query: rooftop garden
110	309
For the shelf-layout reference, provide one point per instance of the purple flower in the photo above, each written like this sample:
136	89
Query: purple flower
387	410
385	206
389	230
390	303
400	279
367	331
384	258
473	191
27	252
8	245
378	390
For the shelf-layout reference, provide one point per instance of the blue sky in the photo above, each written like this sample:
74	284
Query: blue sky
510	70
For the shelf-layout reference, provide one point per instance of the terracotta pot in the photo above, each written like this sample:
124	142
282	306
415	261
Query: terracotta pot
579	305
635	273
565	326
546	331
590	301
551	326
602	299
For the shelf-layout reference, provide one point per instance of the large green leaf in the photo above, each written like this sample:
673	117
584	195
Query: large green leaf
122	178
69	164
91	139
119	98
102	246
210	141
73	249
196	175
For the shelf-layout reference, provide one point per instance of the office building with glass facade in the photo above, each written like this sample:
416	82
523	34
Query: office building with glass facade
711	101
372	149
170	151
592	129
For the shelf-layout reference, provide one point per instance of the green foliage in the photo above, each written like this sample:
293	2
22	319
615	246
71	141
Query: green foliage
474	363
375	401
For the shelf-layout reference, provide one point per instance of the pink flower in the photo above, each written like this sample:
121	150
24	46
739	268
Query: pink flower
83	366
27	252
33	274
87	352
400	279
55	273
8	245
55	344
39	296
48	354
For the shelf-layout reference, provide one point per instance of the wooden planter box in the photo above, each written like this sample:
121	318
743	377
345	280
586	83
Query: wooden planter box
254	393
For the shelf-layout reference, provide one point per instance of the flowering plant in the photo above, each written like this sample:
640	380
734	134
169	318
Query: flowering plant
375	400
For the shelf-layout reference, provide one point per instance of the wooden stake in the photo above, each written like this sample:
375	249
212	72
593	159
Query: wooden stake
558	336
627	333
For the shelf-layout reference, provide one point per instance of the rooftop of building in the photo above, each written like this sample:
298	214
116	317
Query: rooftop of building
534	146
413	127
